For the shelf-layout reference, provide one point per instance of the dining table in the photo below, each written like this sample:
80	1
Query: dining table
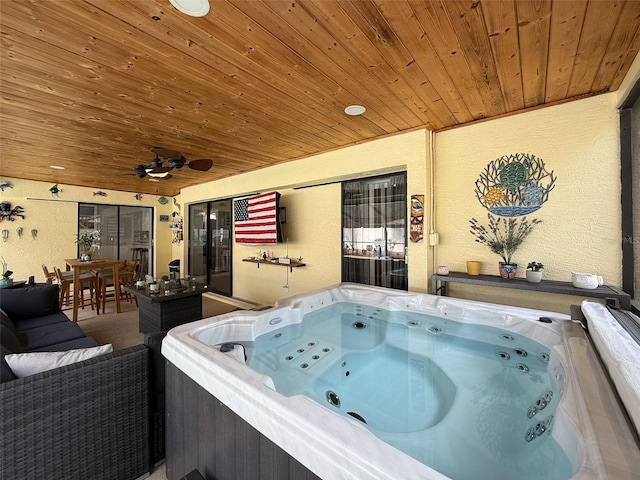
78	265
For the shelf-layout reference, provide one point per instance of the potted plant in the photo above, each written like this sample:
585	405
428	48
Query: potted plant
503	236
534	272
6	280
85	241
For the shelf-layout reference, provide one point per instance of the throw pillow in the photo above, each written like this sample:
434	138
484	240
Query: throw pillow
25	364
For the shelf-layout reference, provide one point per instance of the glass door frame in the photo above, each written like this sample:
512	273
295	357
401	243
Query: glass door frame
357	262
94	225
206	277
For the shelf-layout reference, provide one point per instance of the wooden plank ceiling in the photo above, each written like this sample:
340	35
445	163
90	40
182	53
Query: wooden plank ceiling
91	85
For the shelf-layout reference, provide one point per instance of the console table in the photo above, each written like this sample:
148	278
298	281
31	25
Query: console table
613	296
160	312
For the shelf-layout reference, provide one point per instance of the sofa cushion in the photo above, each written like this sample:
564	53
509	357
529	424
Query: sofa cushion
9	338
49	335
25	364
4	318
6	374
84	342
30	301
28	323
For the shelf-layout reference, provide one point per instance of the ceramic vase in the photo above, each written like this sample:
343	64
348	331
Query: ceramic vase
473	267
508	270
534	277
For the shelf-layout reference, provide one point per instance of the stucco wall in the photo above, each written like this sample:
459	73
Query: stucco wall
579	141
56	220
313	213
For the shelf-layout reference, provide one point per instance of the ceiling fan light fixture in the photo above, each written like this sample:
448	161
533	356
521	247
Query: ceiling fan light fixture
193	8
153	174
355	110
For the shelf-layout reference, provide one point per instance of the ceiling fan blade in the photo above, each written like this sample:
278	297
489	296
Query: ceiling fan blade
202	164
140	171
166	153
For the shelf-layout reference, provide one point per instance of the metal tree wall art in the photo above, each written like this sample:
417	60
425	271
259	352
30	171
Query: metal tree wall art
514	185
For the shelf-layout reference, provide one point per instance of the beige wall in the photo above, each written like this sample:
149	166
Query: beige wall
56	219
579	141
313	213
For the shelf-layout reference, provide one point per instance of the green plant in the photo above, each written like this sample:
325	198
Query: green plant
86	239
503	236
5	273
535	266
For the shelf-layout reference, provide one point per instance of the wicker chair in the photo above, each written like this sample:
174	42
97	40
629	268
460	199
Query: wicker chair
81	421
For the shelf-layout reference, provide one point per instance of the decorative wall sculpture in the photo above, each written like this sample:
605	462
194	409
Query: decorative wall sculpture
514	185
417	218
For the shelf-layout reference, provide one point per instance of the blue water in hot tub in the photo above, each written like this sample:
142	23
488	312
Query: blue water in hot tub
471	401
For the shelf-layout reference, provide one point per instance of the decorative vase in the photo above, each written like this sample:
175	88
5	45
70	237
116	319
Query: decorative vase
85	254
534	277
473	267
508	270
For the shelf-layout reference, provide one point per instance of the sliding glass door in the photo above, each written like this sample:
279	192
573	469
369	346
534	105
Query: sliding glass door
210	244
374	231
126	233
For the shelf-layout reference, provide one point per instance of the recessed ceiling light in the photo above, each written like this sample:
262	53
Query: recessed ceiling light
194	8
154	179
355	110
56	167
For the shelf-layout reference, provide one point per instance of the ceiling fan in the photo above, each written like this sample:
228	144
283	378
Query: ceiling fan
174	159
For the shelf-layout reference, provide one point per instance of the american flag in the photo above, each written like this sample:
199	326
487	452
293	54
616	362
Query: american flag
256	219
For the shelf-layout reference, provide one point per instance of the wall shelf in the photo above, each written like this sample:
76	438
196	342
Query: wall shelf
291	265
611	295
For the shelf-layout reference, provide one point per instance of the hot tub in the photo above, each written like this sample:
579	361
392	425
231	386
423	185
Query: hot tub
398	385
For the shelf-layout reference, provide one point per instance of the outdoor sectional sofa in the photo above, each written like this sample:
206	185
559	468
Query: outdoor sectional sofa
86	420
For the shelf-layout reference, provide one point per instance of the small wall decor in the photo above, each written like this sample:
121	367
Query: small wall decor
138	196
514	185
6	212
55	190
4	185
417	218
163	200
100	193
34	233
5	235
19	232
176	227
